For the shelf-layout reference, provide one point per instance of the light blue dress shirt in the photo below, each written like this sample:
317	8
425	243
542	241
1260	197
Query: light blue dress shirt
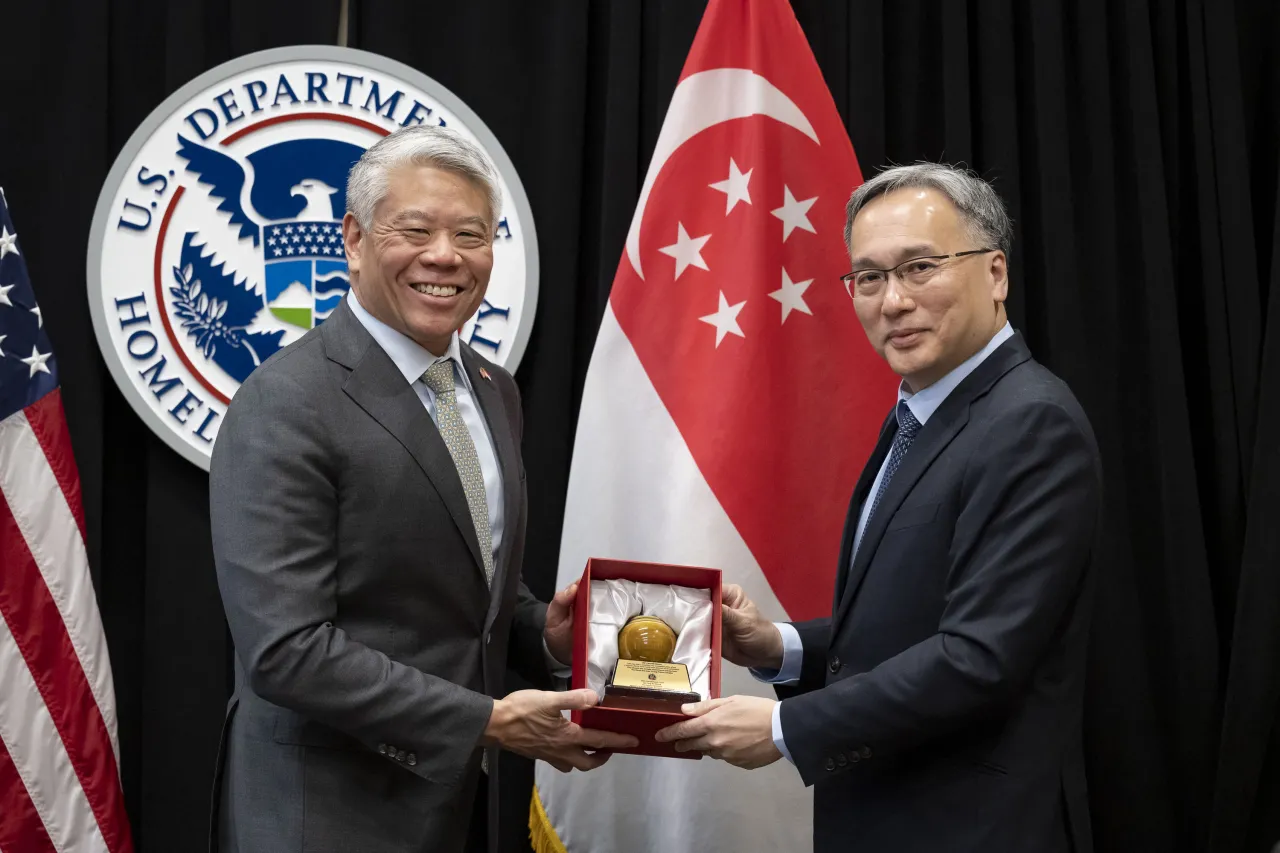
922	404
412	360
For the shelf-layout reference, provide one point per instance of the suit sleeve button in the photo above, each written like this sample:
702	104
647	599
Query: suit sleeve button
412	760
382	749
866	751
834	664
841	759
831	764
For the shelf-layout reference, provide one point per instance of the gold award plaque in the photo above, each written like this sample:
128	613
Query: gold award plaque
652	676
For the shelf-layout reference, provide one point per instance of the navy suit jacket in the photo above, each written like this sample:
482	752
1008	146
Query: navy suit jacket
939	708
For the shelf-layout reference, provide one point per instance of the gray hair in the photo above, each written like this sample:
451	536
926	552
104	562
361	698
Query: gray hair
979	204
421	145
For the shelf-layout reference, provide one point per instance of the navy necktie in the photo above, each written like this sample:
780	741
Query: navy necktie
908	426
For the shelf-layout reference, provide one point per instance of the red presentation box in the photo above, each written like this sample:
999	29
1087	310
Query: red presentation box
642	724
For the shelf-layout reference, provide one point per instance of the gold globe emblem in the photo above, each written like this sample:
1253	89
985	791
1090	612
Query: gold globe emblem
646	638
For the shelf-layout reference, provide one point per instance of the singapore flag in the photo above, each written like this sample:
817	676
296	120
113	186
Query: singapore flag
730	403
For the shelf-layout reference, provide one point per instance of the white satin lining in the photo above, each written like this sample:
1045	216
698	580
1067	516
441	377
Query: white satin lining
686	610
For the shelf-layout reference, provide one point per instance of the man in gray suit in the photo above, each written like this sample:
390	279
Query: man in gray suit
368	507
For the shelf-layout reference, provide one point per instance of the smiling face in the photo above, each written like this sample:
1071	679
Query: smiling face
924	331
423	266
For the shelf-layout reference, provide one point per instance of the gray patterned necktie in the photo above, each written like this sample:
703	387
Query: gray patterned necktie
439	378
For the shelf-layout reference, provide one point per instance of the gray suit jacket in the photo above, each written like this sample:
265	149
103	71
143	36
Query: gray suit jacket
367	642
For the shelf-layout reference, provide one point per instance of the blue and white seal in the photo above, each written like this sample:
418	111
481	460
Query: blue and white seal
217	237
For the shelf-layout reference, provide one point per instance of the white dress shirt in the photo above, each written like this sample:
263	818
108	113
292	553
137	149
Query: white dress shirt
922	404
412	360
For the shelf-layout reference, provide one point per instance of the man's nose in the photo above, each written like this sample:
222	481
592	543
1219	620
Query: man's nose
439	250
895	299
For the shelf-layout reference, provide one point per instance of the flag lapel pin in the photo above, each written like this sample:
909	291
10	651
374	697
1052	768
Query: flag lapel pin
485	374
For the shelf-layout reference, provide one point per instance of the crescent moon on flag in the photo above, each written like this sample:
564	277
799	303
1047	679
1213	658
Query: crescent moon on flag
704	100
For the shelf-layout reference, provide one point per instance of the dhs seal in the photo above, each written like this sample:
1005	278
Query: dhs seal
217	238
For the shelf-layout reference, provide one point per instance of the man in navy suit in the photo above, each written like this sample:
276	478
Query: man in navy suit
939	707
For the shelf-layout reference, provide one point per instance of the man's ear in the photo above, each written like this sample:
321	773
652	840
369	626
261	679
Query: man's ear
352	235
999	271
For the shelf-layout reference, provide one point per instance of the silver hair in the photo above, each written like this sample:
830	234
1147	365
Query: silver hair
421	145
979	204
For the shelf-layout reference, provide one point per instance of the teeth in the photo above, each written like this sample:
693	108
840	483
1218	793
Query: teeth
436	290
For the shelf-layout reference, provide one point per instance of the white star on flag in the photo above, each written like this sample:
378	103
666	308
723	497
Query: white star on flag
791	295
725	320
36	362
8	241
734	187
686	250
4	294
794	214
39	317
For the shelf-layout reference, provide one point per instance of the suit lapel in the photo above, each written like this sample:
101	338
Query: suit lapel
379	388
933	438
860	492
492	408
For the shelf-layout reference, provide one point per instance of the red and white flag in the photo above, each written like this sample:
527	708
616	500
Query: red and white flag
730	403
59	783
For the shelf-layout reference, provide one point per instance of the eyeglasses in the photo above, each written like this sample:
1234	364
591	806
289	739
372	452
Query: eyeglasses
913	273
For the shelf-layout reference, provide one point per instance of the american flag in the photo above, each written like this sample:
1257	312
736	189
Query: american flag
59	782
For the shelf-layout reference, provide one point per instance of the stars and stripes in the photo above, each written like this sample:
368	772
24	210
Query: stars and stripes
59	778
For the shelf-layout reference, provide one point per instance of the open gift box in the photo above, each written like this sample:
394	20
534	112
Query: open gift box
641	723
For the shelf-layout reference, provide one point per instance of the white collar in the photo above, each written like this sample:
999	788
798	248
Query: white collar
409	356
926	401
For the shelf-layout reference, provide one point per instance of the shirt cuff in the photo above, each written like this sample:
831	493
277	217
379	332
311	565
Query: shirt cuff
792	661
777	733
558	670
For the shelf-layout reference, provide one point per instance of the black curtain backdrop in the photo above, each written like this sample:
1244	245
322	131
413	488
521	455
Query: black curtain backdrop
1135	141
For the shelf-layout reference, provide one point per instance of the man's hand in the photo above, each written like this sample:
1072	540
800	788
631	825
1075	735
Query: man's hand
736	729
558	634
529	722
748	639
